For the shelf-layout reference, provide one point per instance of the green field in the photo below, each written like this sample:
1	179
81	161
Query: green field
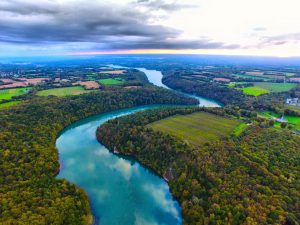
254	91
275	87
293	120
233	84
9	104
252	76
197	128
112	81
9	93
239	129
60	92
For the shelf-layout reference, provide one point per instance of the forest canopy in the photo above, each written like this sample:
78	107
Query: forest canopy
29	191
249	179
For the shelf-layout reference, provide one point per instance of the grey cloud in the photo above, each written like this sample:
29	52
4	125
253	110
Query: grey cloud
163	5
101	25
27	7
279	39
172	44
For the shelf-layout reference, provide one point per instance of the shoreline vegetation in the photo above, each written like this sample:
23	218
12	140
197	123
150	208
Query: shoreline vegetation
232	180
226	180
30	159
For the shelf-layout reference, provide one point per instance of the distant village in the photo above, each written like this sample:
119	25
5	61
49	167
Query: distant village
293	101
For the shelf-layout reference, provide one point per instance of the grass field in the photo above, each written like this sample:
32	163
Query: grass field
292	107
112	81
252	76
9	104
197	128
9	93
275	87
239	129
255	91
293	120
236	83
60	92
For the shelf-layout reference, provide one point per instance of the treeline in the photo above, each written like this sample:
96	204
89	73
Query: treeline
29	191
230	96
250	179
225	95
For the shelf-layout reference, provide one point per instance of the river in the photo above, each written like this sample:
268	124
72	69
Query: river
155	77
121	191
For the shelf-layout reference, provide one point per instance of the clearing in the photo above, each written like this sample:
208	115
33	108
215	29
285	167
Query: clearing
60	92
9	104
115	72
7	94
254	91
275	87
293	120
197	128
112	81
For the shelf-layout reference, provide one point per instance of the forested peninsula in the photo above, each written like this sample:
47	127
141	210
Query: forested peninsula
29	191
251	178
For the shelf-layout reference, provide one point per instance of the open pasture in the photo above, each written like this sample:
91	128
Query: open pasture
112	81
66	91
275	87
9	104
7	94
254	91
114	72
196	128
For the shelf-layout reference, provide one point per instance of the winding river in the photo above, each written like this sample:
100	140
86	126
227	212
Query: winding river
121	191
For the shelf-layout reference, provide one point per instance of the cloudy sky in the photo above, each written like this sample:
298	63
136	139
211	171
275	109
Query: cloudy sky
237	27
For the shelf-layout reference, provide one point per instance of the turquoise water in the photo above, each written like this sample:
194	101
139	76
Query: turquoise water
121	191
155	77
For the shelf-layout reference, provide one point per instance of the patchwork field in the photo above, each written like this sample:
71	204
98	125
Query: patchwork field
60	92
9	104
254	91
112	81
197	128
275	87
9	93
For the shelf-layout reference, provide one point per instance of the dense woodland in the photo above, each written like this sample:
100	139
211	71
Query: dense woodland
230	96
207	89
29	191
250	179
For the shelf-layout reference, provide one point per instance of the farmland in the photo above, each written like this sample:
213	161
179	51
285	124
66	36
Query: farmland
112	81
10	93
260	88
249	76
196	128
275	87
114	72
60	92
9	104
292	120
236	83
254	91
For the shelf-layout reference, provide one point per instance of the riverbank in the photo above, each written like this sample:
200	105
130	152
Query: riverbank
108	180
31	160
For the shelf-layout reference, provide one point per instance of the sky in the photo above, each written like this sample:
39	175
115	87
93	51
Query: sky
79	27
